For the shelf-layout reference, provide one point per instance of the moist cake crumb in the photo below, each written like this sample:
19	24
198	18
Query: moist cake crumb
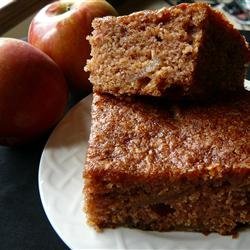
187	50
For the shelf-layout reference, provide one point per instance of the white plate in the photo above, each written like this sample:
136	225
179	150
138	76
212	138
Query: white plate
60	185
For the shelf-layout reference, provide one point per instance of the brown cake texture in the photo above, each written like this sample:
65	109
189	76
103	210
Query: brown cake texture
156	165
187	50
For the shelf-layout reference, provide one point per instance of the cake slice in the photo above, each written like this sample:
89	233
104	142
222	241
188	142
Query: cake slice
187	50
159	166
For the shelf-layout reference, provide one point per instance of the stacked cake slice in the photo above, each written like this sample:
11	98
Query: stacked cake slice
188	50
164	163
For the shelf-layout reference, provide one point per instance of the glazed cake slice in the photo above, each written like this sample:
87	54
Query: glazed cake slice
168	167
187	50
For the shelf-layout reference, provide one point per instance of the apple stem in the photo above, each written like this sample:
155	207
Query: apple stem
62	8
66	7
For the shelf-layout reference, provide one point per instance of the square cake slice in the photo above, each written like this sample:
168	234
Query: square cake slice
186	50
157	166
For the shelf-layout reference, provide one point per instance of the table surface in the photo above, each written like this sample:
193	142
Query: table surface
23	222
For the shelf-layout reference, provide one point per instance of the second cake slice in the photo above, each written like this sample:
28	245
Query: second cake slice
187	50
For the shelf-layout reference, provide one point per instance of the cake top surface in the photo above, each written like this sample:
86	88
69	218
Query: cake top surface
162	14
134	137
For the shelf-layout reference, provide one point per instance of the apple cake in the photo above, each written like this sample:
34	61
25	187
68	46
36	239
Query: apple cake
156	165
186	50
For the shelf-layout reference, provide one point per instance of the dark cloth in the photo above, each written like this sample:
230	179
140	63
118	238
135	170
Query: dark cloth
23	223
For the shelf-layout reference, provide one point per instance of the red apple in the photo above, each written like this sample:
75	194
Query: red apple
60	30
33	92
